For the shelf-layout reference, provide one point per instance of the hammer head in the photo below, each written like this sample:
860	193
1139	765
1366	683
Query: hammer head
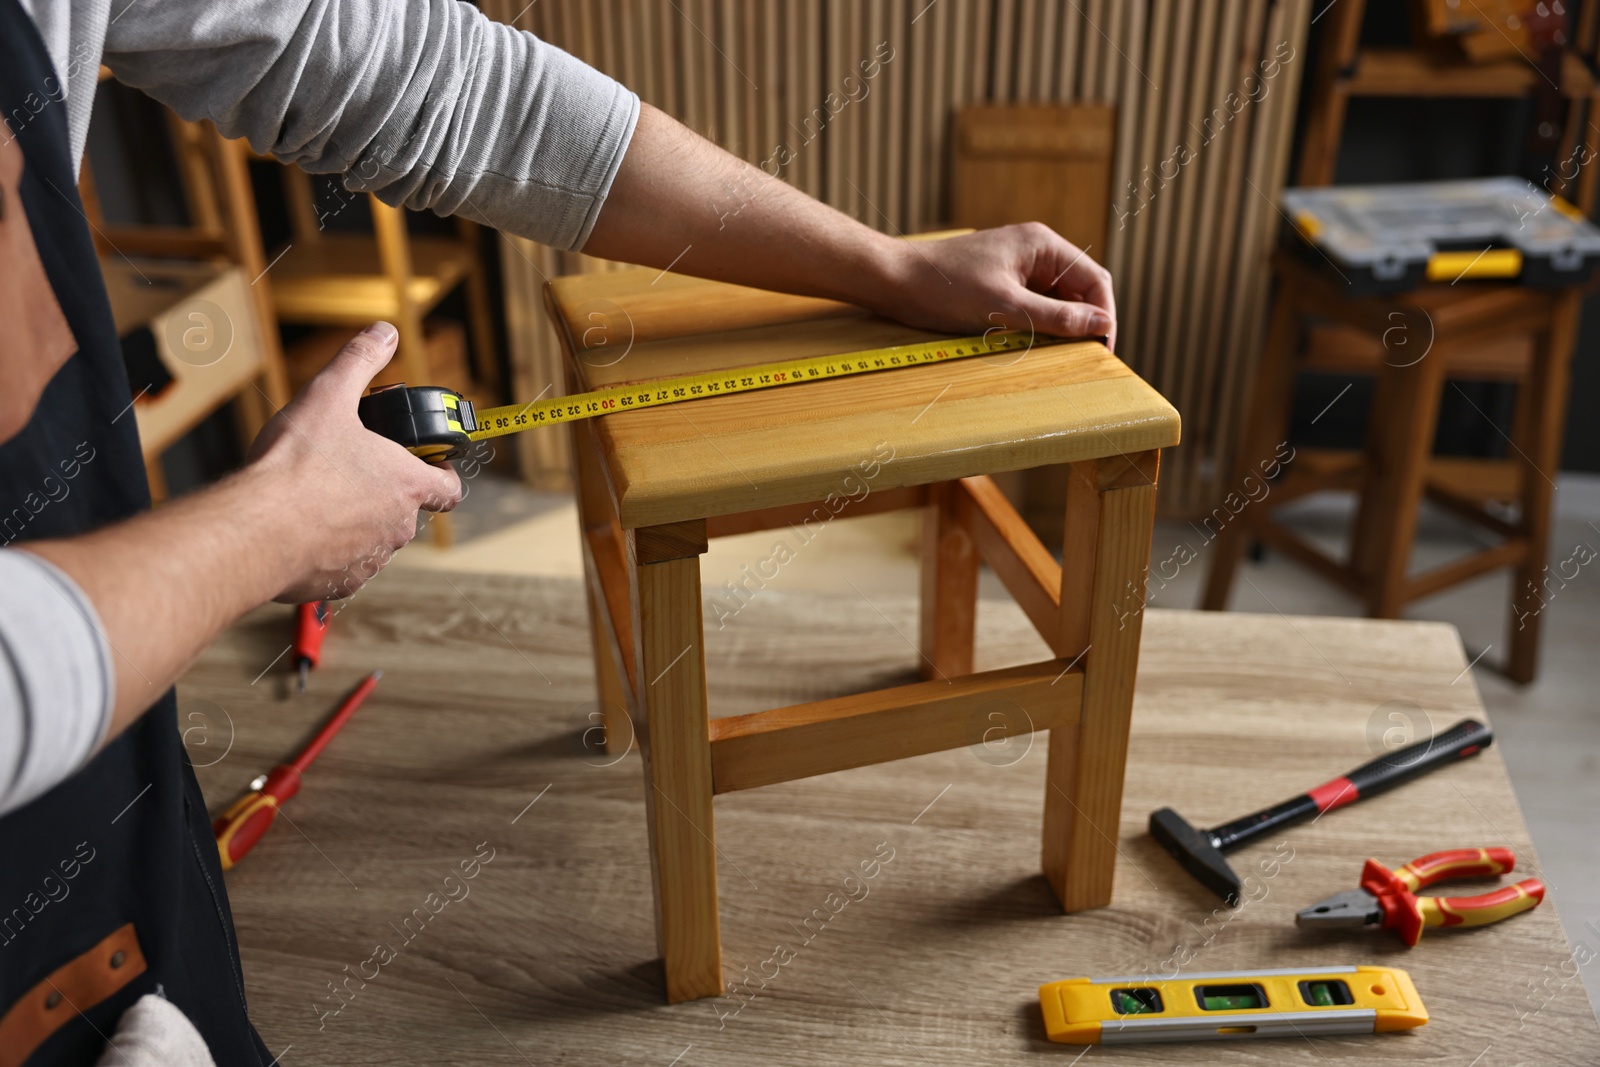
1193	849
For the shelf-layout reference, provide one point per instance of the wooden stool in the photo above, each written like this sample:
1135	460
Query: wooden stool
653	485
1413	343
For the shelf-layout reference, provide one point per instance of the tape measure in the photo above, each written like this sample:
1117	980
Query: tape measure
1231	1004
439	424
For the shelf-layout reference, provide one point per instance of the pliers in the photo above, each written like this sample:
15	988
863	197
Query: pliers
1390	897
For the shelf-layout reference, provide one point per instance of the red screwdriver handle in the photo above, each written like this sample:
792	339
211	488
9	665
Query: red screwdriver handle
239	828
1456	863
310	625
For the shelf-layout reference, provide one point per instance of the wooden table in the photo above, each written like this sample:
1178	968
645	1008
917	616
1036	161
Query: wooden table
474	746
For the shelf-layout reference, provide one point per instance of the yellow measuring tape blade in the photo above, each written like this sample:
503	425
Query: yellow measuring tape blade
511	418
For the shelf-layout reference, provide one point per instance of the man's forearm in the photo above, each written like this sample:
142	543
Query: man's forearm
679	200
166	583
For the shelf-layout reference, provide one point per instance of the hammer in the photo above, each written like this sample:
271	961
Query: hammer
1200	851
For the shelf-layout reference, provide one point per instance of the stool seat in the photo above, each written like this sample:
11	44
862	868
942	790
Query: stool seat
1058	403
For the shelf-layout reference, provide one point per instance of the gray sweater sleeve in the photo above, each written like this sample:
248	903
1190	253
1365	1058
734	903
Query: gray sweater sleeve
55	678
427	103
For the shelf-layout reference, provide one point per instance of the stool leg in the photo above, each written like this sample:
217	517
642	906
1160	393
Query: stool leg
1110	513
949	588
1538	455
1265	427
675	741
1405	413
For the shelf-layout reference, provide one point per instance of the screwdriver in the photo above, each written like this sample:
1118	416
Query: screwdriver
239	828
311	624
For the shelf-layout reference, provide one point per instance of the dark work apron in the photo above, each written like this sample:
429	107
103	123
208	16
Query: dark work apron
131	827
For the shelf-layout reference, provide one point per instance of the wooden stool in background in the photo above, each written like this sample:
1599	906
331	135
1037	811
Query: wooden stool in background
222	231
655	484
1412	343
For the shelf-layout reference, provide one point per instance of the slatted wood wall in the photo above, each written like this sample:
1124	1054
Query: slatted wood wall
1196	170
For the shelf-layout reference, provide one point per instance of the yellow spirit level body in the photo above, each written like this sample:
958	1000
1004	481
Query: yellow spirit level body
1284	1002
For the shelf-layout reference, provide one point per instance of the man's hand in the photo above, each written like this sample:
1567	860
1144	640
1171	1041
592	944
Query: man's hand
319	508
358	493
1025	277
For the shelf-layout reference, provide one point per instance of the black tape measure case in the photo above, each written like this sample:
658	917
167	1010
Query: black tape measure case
432	422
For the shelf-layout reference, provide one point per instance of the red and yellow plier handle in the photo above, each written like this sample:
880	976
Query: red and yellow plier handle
1408	914
1390	897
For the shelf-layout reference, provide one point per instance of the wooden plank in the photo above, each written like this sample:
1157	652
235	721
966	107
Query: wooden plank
1170	337
670	651
1067	59
949	579
1116	17
1510	553
768	103
981	13
1130	104
823	736
1169	179
1134	211
1095	48
1017	557
1184	355
893	100
1214	437
1279	537
840	147
1024	59
1020	163
1468	508
1258	226
921	55
1411	72
810	89
1003	68
179	242
1046	54
673	540
874	503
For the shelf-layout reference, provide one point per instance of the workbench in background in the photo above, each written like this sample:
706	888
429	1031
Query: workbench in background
479	742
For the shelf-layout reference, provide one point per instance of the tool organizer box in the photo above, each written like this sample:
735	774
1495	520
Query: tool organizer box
1390	238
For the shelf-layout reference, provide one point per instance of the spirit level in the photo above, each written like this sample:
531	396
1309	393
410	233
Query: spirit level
439	424
1230	1004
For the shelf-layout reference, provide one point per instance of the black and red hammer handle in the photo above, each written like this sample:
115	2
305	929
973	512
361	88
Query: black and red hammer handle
1466	738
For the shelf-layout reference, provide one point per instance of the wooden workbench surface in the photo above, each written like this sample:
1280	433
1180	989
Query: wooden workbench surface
474	746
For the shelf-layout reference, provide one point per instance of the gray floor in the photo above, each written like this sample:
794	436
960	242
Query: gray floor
1549	732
